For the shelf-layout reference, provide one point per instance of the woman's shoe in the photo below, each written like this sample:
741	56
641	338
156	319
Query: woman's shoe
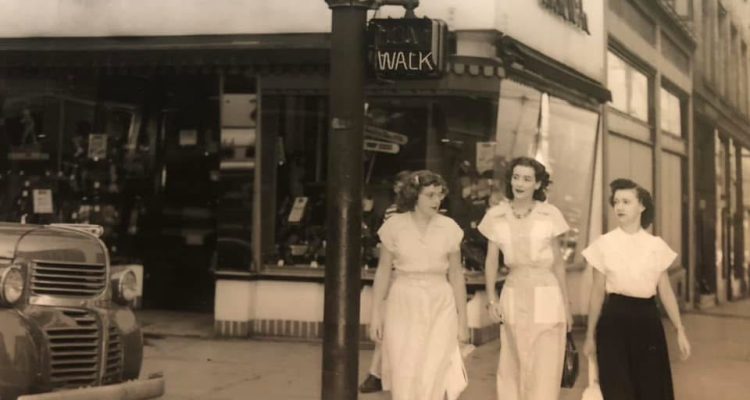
371	384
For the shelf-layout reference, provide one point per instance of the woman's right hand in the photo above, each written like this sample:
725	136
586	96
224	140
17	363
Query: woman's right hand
376	329
495	315
589	347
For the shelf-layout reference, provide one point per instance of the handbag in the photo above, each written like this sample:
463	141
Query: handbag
593	391
570	364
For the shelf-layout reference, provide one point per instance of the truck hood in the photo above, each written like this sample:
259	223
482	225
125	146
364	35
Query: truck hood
44	243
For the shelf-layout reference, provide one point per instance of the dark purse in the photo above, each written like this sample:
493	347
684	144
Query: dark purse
570	364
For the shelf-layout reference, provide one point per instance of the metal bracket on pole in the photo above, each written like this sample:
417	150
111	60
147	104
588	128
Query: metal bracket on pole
409	5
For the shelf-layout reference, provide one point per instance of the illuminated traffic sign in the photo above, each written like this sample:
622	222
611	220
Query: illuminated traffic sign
408	48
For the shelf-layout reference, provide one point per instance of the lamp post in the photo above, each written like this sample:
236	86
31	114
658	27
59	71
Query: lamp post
344	199
344	194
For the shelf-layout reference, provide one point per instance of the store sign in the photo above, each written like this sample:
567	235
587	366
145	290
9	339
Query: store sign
408	48
373	132
569	10
381	147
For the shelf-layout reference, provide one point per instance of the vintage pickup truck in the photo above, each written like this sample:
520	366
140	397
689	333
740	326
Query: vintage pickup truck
67	330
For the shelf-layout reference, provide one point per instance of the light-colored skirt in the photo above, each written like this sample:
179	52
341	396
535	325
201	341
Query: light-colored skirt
532	336
421	356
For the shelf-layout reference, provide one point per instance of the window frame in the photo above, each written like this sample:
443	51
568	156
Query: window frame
632	65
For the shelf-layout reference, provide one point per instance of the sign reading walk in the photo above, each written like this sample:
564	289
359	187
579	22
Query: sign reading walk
409	48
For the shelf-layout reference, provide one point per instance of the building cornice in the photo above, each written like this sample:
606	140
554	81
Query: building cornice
713	108
681	27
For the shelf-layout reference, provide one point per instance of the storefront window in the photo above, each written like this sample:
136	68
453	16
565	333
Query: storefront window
448	135
561	136
671	112
629	87
134	153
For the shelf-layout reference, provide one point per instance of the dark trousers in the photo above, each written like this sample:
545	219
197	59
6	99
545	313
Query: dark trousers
632	350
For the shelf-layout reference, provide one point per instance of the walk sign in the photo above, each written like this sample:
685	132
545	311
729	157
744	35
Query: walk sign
407	48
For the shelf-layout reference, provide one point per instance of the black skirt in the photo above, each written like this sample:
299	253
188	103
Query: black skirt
632	350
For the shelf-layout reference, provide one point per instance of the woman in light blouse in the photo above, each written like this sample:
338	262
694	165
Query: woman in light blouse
533	306
624	327
420	316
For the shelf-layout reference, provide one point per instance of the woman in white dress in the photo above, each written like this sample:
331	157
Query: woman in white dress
533	306
624	328
423	317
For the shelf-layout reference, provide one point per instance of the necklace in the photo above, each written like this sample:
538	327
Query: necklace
523	214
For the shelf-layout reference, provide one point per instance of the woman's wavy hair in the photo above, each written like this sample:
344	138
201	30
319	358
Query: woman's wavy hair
643	195
540	173
406	199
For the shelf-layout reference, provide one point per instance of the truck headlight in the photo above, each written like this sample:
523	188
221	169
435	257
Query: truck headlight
11	285
126	287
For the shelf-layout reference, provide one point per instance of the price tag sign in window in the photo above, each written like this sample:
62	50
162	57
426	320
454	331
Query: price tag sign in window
97	146
43	201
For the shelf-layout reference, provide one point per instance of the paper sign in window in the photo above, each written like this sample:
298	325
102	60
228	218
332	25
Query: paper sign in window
43	201
97	146
298	209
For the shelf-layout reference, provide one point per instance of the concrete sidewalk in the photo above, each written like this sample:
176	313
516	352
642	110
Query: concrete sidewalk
199	368
160	323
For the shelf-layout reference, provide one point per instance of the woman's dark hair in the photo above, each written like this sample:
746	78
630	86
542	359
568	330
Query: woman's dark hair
644	197
406	199
540	174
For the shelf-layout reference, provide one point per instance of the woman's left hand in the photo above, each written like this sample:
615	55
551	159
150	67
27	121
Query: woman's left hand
684	344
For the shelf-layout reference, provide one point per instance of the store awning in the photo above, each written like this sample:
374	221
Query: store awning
263	51
288	62
525	61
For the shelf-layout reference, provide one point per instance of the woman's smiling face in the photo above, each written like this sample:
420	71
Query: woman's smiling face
523	182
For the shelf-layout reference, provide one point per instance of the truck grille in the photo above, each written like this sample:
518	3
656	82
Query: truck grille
113	372
61	279
74	352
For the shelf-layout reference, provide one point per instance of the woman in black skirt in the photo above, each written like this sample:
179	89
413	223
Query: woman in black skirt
624	327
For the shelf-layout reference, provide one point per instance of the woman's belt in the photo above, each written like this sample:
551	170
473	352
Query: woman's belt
523	270
421	275
533	275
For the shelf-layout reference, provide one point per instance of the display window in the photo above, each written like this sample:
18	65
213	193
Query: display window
447	135
137	154
68	153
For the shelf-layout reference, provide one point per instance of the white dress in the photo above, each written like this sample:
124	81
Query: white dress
421	356
532	336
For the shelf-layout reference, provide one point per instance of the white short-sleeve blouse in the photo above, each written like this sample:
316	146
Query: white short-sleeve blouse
415	251
525	241
631	263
